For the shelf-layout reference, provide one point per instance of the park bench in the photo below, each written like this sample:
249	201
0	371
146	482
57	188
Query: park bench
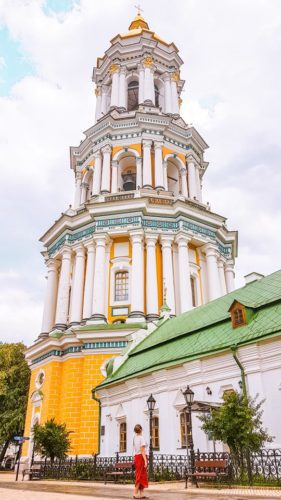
119	470
209	469
34	472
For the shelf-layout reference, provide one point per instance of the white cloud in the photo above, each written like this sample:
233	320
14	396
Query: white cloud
231	52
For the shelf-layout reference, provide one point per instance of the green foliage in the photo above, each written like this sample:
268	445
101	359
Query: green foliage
238	423
14	384
52	439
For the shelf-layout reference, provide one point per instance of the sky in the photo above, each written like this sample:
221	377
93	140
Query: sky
231	51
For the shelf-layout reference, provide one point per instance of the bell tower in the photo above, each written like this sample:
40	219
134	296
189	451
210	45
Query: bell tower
139	225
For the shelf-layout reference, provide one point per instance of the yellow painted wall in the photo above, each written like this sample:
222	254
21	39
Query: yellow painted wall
67	397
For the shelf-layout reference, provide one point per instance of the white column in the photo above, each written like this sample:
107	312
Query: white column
159	177
98	103
184	191
89	280
84	189
198	183
184	273
175	96
122	89
168	275
77	197
78	286
105	180
114	177
97	174
137	278
146	174
222	275
192	177
167	93
139	172
103	100
63	290
50	297
141	84
149	93
151	278
99	280
114	98
229	275
214	288
165	175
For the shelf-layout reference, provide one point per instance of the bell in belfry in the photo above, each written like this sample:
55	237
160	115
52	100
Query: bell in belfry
129	181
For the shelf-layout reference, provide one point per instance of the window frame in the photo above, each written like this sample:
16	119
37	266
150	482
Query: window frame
132	88
155	433
123	436
238	308
123	294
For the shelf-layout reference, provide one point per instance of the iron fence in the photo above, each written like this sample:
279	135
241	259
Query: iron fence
265	466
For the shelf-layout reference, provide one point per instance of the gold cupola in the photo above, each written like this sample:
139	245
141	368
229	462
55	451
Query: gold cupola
138	22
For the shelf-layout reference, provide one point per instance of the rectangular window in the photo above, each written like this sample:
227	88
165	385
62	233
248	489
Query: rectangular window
121	286
184	429
155	433
193	291
123	437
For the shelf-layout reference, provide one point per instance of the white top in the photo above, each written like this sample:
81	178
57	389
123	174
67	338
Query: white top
139	441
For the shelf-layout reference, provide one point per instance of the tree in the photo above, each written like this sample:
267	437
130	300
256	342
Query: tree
51	439
14	384
238	423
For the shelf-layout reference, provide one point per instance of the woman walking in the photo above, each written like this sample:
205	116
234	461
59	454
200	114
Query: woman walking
140	460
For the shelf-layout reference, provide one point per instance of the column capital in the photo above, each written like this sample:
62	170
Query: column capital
114	163
97	154
106	149
158	145
167	77
136	237
123	70
52	264
151	239
78	175
79	250
138	159
148	62
229	265
183	171
182	239
166	240
221	261
140	67
210	249
90	246
66	252
147	143
190	159
101	239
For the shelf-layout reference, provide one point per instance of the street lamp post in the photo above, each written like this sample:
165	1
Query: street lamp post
189	397
151	405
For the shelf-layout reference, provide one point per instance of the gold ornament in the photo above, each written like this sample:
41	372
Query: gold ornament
176	76
114	68
148	62
97	91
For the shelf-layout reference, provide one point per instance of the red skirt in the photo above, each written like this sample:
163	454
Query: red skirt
140	472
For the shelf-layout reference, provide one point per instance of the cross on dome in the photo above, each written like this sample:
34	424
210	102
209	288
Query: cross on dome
139	21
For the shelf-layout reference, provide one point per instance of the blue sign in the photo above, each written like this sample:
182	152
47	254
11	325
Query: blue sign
21	438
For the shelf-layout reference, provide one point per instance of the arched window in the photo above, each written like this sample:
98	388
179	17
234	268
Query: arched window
155	433
121	286
123	437
133	95
156	91
193	291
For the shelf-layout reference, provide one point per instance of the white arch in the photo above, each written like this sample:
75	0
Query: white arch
171	155
126	150
87	174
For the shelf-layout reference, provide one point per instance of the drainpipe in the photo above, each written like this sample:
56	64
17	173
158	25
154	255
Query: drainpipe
239	364
99	403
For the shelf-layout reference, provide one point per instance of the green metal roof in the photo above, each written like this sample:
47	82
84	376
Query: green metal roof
206	330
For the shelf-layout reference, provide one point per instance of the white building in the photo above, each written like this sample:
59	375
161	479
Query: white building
212	348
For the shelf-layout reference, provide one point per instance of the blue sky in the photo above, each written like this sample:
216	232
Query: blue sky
232	96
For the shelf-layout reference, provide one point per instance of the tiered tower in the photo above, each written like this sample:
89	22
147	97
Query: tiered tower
138	225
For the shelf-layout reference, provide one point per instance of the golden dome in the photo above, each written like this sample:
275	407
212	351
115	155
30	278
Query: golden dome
138	22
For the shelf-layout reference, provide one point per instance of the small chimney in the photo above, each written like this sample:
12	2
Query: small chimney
249	278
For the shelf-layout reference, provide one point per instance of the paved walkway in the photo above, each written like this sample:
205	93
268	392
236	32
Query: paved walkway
63	490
